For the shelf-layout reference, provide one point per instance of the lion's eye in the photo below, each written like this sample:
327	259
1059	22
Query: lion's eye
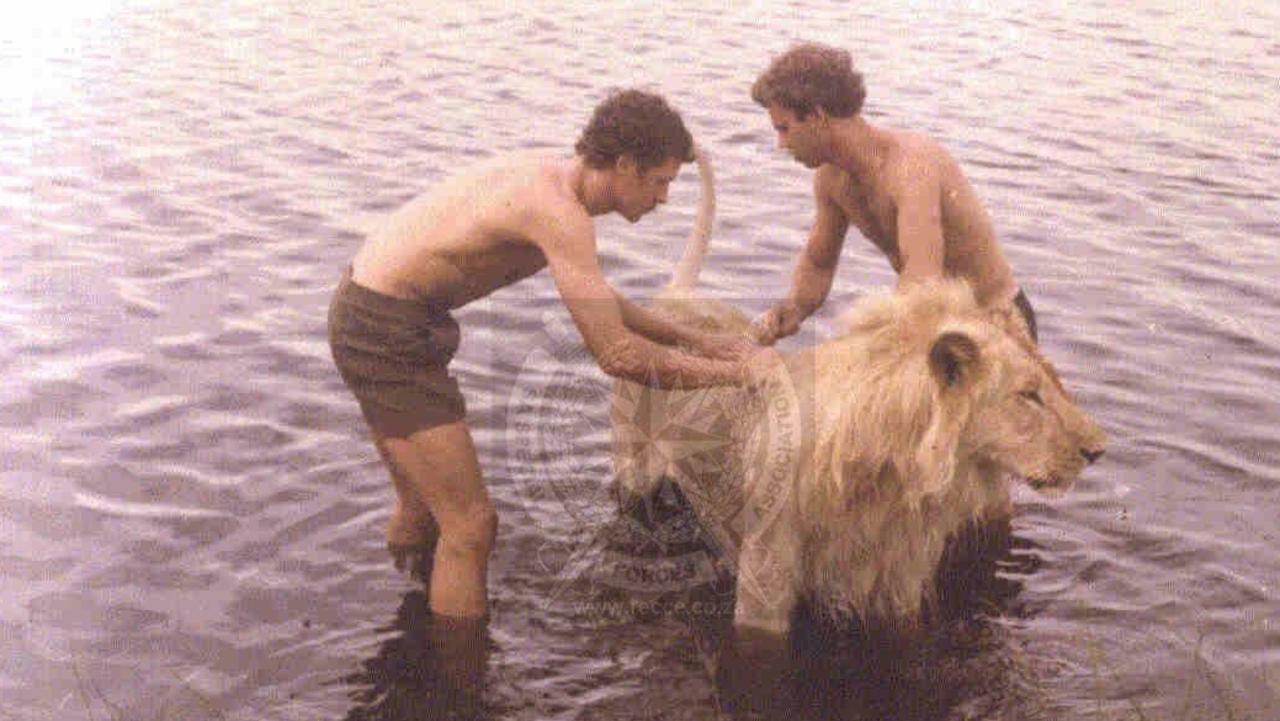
1032	396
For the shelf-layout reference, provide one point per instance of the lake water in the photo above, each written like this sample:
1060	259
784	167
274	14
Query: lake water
191	514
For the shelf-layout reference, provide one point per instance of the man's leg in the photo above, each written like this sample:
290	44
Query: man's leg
438	467
412	531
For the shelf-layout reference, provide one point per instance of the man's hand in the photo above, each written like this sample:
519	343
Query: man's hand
725	346
779	321
761	366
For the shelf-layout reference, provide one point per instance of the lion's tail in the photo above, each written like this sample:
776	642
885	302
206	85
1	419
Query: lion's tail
690	265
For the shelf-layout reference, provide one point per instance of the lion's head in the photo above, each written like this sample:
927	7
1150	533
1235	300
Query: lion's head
938	385
924	408
1020	420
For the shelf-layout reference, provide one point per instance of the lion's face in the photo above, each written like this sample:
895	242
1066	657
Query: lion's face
1023	421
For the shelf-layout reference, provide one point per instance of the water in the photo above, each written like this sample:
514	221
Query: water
191	515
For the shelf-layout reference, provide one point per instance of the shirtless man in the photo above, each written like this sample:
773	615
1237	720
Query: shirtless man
392	334
902	190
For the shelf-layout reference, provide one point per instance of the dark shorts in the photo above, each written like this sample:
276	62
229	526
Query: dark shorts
1028	314
394	354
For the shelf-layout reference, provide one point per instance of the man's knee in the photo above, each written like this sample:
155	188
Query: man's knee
472	532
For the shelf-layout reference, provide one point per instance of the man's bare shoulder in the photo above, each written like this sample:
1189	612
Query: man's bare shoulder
829	180
473	184
924	149
917	157
539	203
525	192
509	172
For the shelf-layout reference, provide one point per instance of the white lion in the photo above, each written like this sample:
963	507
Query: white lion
843	478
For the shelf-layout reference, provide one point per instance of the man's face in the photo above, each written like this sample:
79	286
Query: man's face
640	192
804	139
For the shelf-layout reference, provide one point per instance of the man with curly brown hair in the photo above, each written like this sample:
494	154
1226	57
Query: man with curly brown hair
902	190
392	332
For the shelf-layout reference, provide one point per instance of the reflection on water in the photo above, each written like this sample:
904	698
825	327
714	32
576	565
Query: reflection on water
191	513
429	669
963	661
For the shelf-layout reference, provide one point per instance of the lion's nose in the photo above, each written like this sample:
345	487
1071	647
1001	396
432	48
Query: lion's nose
1091	456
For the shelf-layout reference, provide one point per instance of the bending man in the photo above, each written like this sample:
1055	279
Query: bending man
392	333
903	191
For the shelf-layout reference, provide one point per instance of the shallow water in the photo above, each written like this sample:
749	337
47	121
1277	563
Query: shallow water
190	513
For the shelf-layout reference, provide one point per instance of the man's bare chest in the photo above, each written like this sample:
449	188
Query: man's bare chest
873	214
513	261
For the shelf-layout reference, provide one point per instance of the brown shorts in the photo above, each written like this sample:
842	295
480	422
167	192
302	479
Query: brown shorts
393	354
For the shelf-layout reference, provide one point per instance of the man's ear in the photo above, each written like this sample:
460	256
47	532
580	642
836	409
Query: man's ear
627	164
953	359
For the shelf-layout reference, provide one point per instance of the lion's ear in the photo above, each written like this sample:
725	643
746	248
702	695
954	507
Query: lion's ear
953	358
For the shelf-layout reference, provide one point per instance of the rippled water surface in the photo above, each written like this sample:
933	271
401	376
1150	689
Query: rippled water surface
191	515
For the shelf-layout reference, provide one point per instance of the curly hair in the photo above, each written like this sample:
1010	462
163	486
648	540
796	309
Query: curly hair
635	123
810	76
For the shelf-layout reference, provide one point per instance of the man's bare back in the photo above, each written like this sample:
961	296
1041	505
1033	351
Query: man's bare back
472	234
871	204
512	216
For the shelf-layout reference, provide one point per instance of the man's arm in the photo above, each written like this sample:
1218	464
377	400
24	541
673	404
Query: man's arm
720	346
653	326
570	249
815	268
919	222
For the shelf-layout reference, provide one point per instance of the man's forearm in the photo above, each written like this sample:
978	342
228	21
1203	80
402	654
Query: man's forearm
809	288
798	308
653	326
642	361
